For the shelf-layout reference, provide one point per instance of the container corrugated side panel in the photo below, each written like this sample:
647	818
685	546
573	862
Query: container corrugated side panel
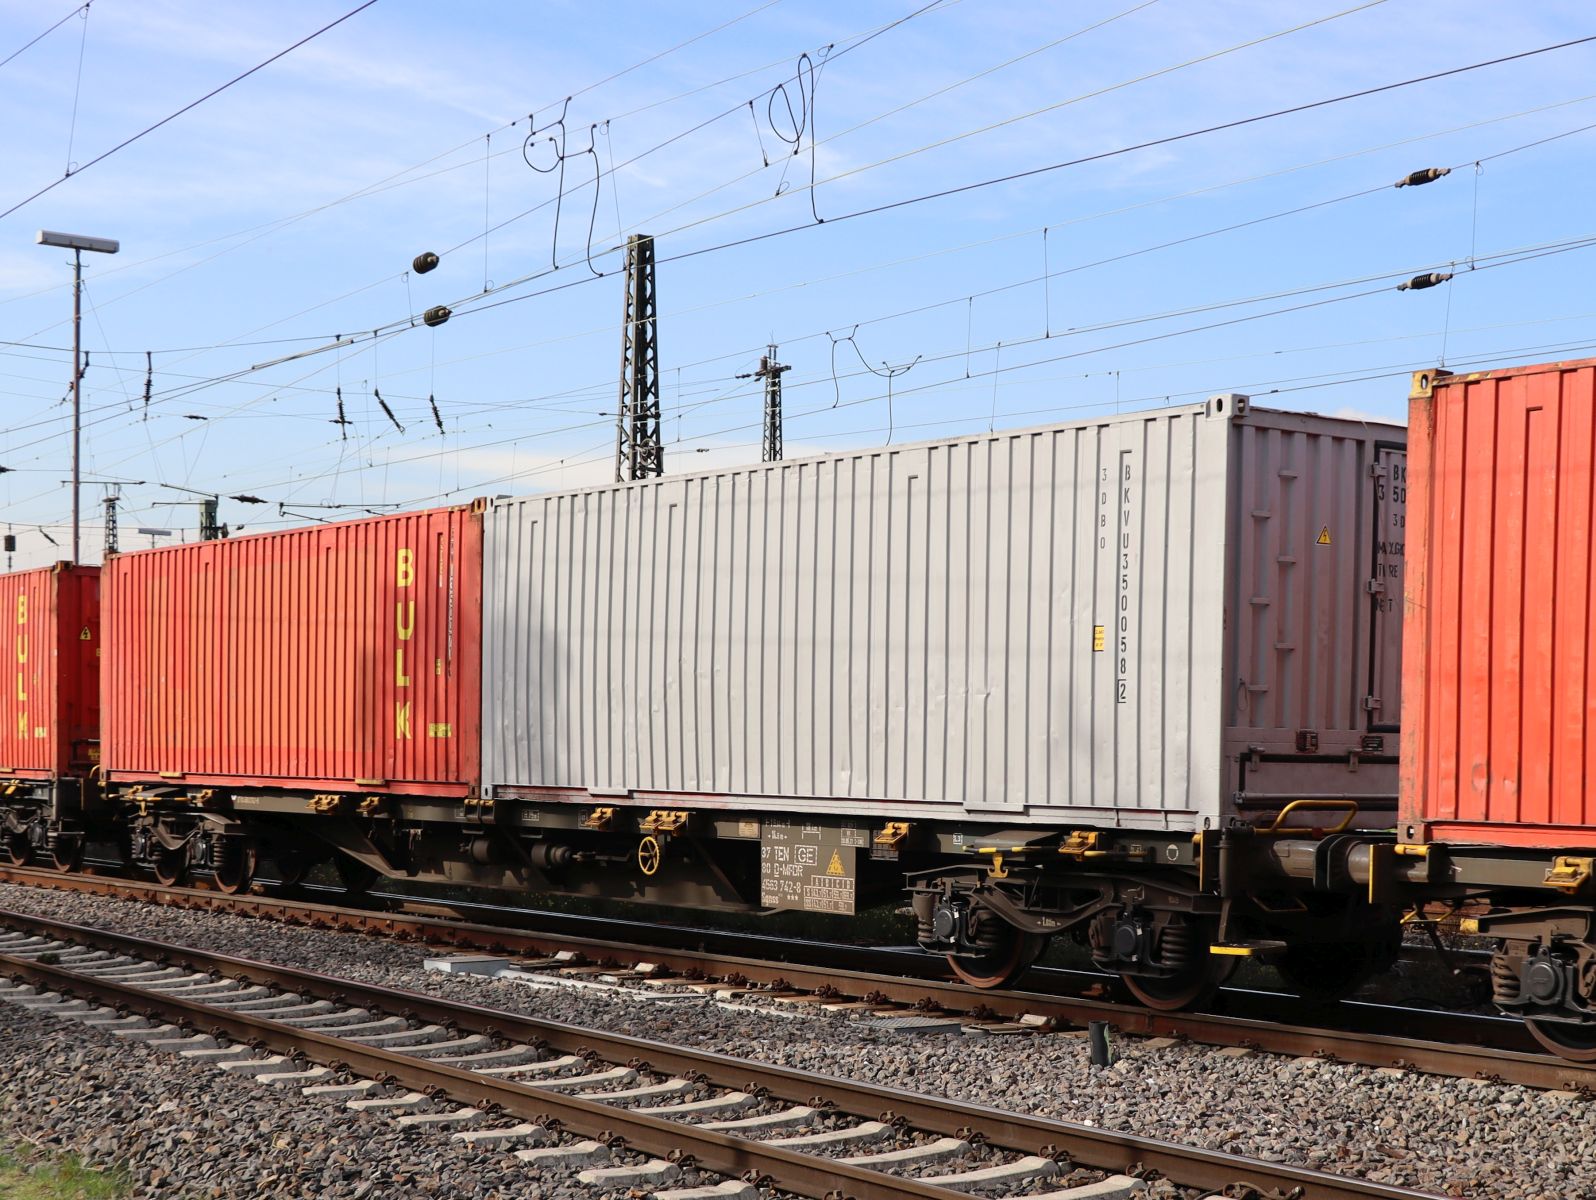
866	631
1312	526
318	657
49	704
1501	724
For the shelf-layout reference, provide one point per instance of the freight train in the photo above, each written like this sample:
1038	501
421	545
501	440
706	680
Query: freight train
1188	685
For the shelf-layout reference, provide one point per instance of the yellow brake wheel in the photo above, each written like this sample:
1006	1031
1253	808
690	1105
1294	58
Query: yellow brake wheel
649	855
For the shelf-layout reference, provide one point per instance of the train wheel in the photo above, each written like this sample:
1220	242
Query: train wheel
1577	1043
1200	975
292	870
355	875
170	866
67	854
1009	957
18	850
1171	993
236	869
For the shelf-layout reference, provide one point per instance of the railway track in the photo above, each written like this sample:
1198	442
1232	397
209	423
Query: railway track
1460	1045
619	1111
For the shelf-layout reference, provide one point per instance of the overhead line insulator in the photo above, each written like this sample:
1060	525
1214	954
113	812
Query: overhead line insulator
1428	175
1420	282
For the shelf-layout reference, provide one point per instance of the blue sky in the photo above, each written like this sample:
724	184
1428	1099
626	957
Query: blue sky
282	216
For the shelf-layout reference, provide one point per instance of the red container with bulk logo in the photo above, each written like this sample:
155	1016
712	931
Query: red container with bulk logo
1499	711
50	703
337	658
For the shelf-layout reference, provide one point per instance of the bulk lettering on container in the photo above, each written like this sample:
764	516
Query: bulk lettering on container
22	662
405	615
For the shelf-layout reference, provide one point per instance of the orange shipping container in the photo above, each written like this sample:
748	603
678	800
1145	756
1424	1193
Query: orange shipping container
1499	719
50	706
341	657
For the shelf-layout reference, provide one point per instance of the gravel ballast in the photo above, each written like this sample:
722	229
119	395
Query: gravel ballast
181	1129
1458	1137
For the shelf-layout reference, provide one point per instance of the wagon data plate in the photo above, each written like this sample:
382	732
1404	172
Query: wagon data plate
807	867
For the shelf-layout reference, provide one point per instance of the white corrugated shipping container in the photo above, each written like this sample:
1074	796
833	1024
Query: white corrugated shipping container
1141	620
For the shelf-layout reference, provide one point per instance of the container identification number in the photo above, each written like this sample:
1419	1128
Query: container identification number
1122	582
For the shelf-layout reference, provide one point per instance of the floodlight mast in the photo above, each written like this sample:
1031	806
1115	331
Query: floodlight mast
77	243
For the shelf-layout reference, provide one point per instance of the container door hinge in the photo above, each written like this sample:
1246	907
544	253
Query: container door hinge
1371	704
1375	587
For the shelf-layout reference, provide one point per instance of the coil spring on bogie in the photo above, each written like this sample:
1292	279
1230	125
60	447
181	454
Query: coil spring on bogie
986	930
1504	979
1175	945
225	852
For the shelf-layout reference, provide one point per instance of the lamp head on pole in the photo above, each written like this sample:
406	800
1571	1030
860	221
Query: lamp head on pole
77	241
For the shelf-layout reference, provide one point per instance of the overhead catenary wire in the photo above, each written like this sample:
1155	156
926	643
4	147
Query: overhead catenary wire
576	459
464	309
77	86
1113	258
832	58
170	117
1502	258
407	175
82	8
1054	224
1024	282
410	317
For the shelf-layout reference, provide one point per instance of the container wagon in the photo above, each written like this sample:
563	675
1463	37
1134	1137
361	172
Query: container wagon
1116	678
49	711
1026	667
330	671
1137	679
1499	731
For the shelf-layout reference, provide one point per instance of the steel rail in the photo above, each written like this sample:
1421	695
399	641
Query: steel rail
1086	1145
800	1173
1463	1057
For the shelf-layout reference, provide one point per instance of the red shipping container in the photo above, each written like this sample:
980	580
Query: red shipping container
1499	717
343	657
50	710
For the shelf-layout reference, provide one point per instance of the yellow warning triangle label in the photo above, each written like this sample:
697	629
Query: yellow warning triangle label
1324	536
836	867
84	636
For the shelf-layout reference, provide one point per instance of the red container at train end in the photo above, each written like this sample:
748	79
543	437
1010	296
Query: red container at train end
50	705
1499	717
341	657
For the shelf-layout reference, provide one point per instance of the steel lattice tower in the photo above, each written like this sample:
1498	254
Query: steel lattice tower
639	452
771	372
111	502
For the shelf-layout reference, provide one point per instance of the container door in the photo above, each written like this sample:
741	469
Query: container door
1383	700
